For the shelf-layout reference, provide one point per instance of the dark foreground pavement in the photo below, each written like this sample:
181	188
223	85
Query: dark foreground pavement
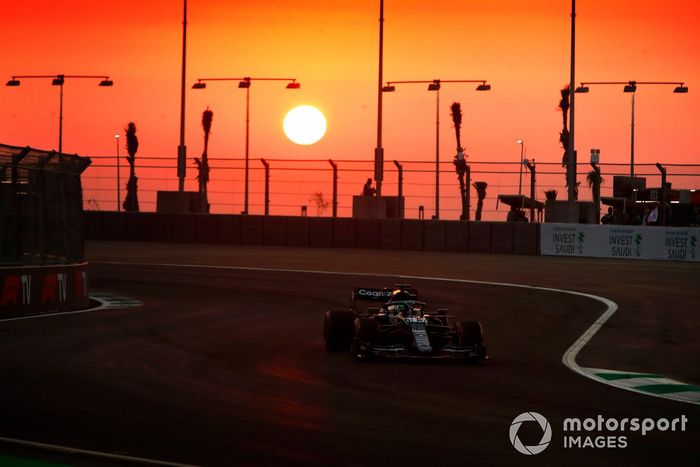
227	367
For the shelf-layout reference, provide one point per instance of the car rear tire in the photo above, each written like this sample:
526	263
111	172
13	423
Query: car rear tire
338	330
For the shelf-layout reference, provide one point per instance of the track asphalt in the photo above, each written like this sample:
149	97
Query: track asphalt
227	366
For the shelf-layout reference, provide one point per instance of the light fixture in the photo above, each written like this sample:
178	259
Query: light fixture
434	86
106	82
57	81
631	87
293	85
582	89
389	88
520	141
199	85
12	82
244	84
483	87
681	89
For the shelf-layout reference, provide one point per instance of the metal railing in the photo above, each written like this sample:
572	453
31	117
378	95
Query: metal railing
282	186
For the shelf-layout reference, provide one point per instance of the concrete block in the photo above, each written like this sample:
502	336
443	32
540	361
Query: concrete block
230	229
161	227
390	234
114	225
525	238
456	236
434	235
275	230
93	223
137	226
368	233
321	231
207	228
502	237
298	231
184	227
480	237
252	230
344	234
412	234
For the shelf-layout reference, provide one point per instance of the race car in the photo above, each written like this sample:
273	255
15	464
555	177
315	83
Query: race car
402	326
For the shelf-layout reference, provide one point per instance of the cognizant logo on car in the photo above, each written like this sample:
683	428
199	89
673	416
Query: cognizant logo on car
373	293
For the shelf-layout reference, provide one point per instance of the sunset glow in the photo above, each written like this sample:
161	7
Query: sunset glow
521	48
304	125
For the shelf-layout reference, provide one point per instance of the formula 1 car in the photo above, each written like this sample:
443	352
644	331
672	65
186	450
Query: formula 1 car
401	326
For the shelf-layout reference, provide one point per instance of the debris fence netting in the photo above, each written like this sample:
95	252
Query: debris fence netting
41	216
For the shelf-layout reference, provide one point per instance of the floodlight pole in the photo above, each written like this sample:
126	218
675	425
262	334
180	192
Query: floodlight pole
245	83
379	150
434	85
631	87
59	80
571	150
182	149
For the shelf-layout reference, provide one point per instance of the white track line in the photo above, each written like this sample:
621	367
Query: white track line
568	359
86	452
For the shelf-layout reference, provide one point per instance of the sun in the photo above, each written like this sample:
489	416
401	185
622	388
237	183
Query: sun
304	125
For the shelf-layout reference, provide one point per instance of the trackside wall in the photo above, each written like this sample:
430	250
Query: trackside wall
396	234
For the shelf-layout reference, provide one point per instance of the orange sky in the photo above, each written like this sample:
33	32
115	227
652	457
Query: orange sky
521	48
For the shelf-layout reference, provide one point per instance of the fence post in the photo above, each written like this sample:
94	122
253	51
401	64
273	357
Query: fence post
335	187
662	208
267	186
400	200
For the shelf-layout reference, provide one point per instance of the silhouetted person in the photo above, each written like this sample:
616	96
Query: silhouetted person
608	218
368	189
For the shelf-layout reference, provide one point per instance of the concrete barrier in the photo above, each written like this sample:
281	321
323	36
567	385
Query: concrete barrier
406	234
320	231
137	226
480	237
526	240
184	227
298	231
275	230
344	233
207	228
368	233
161	227
27	291
230	229
113	225
456	236
502	237
434	236
252	230
412	235
94	225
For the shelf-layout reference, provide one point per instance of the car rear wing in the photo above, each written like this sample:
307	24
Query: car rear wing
383	295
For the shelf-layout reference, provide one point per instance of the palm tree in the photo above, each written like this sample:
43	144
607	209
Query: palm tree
131	202
564	134
594	181
460	161
551	195
203	164
481	193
